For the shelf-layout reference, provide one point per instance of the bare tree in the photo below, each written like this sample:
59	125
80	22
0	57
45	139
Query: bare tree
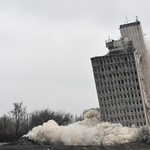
18	113
38	117
6	129
78	118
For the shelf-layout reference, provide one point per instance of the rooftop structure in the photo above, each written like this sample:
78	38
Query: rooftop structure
121	78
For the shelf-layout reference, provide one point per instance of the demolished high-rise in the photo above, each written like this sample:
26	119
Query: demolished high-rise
122	78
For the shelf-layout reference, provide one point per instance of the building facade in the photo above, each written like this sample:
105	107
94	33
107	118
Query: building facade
120	78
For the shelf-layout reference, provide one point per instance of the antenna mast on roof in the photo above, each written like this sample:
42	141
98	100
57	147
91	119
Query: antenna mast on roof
137	18
127	20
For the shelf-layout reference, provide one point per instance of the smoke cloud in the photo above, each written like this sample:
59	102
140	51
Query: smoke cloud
90	131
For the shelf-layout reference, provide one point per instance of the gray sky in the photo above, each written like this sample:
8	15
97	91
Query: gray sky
46	46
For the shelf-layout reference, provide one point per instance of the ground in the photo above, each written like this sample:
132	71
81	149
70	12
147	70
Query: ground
26	144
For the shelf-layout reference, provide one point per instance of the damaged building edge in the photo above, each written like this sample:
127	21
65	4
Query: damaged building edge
121	78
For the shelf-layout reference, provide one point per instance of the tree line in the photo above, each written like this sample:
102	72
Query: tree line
18	122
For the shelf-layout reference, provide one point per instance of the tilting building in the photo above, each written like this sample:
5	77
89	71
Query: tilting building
121	78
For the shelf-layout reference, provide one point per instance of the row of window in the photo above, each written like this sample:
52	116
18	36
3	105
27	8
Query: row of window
113	68
120	104
140	124
116	75
117	82
103	91
123	111
121	95
126	118
124	96
113	60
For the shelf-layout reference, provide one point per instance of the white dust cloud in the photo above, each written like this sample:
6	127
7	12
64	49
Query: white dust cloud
90	131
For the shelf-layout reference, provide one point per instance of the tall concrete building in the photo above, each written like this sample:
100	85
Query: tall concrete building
121	78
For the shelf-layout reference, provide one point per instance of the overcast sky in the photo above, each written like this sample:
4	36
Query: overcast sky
46	46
